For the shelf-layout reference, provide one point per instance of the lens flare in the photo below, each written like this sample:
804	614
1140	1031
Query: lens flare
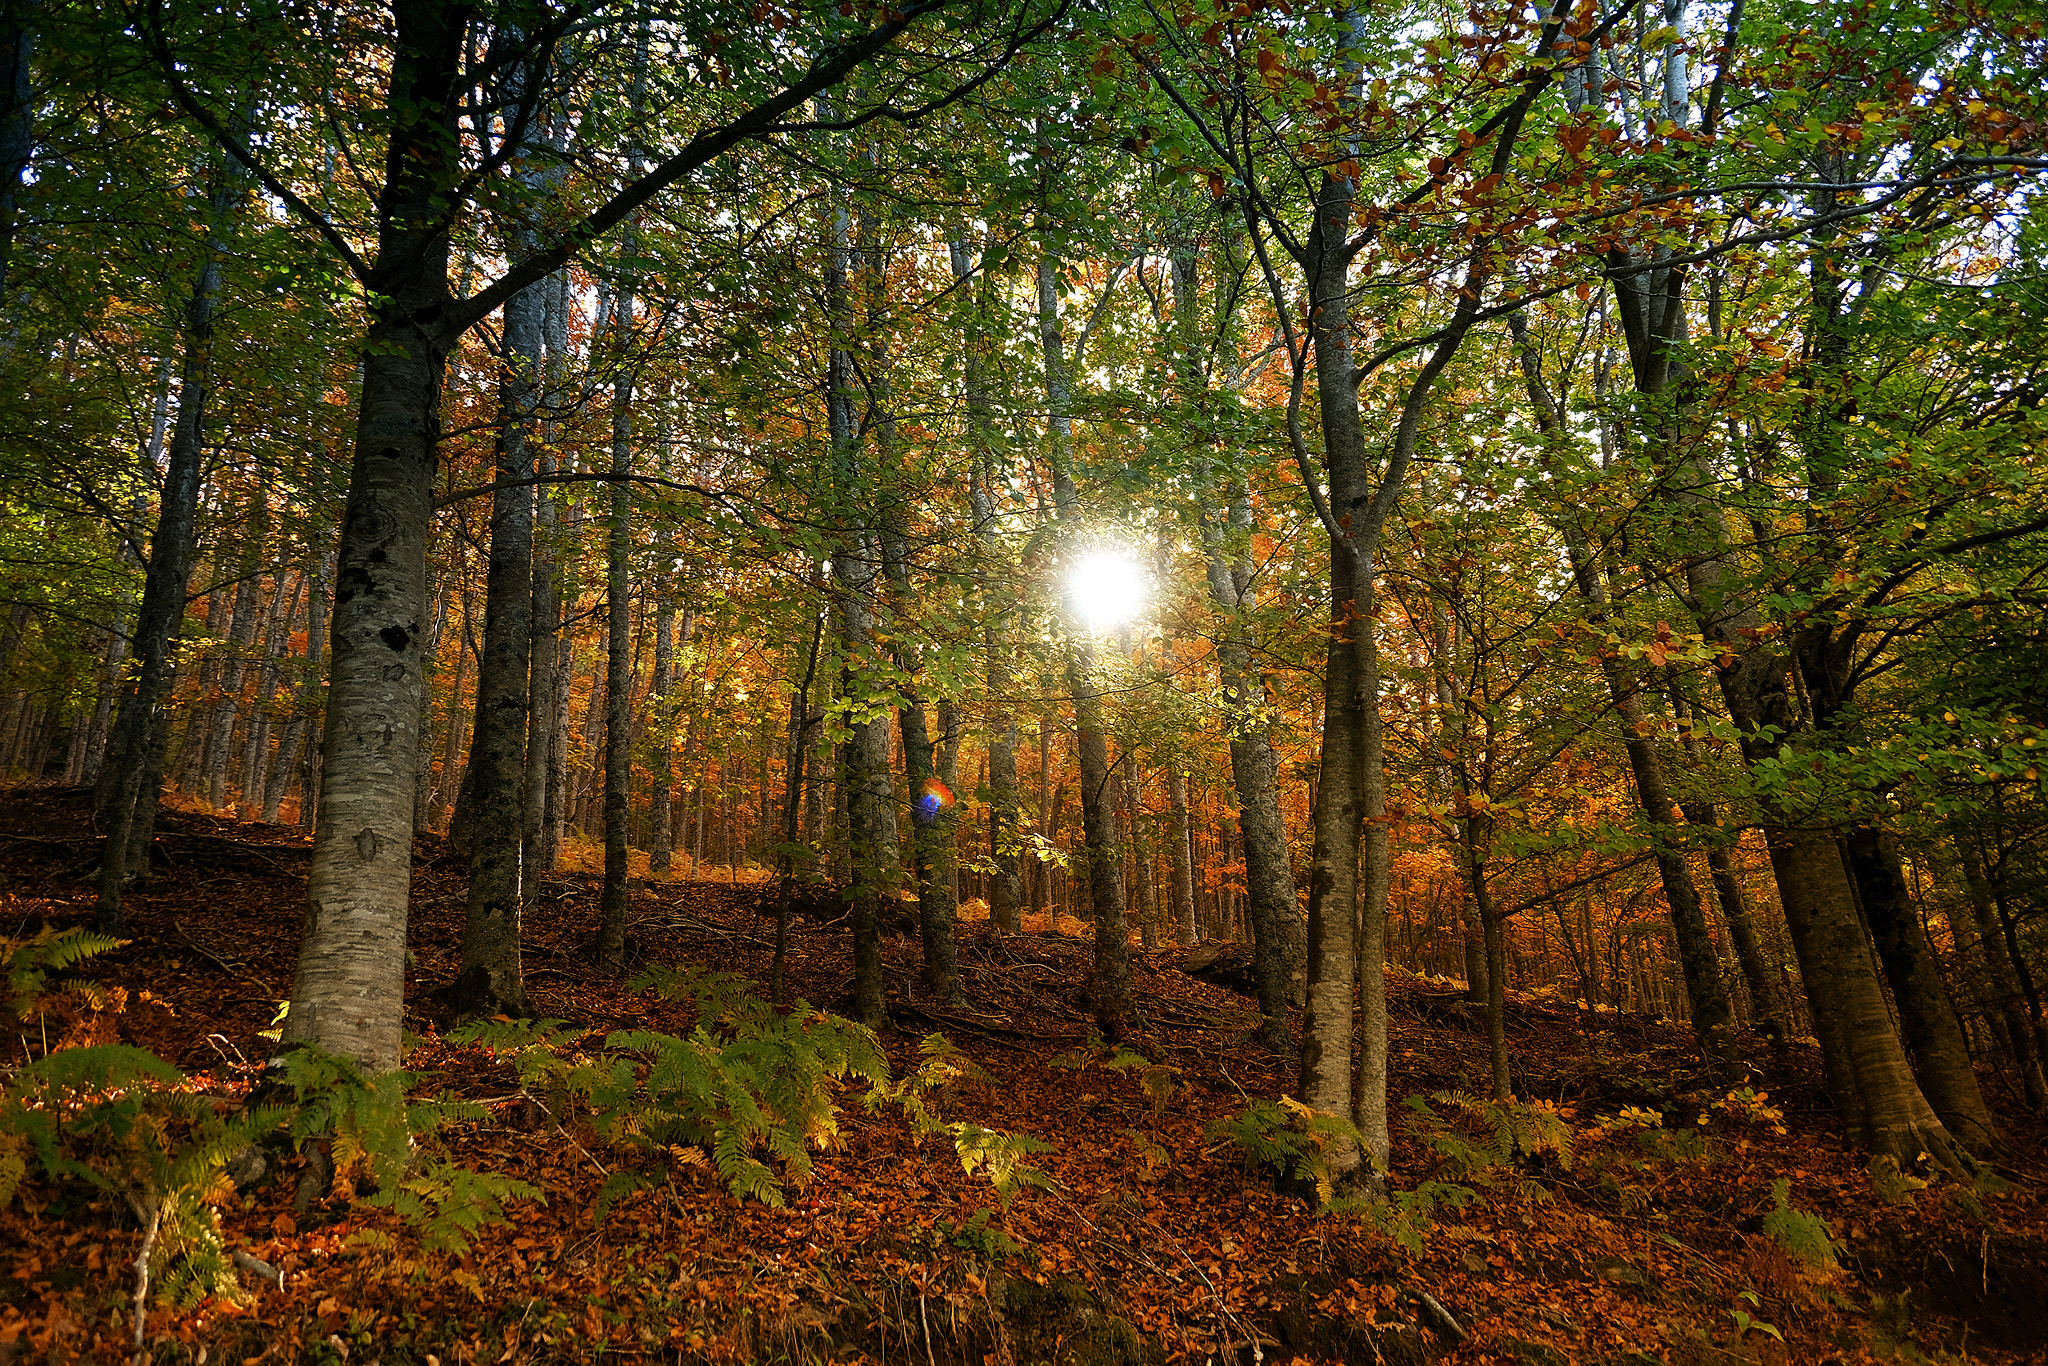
1108	588
934	800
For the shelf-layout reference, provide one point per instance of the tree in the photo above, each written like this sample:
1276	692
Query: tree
350	969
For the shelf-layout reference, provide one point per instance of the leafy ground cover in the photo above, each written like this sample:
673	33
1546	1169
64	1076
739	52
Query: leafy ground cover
1618	1213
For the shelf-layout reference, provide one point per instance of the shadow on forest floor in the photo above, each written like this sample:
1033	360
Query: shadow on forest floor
1153	1240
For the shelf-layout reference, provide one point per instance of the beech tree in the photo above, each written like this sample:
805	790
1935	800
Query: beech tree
717	93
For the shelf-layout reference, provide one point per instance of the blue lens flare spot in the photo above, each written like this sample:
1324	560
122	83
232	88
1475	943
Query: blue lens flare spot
934	800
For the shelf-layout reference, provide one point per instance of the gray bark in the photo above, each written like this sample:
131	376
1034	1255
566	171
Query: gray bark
1225	523
1111	989
870	816
1181	834
136	752
618	718
1713	1019
351	970
492	979
1005	896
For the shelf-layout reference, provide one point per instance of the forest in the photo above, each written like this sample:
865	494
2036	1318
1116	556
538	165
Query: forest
1385	581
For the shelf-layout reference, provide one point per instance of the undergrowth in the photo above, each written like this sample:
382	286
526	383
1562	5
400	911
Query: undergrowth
749	1092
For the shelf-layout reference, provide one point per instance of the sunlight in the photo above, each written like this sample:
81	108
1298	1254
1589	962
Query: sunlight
1107	588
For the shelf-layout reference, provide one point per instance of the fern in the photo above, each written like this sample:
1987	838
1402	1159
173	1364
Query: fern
1407	1218
749	1092
14	1148
448	1203
124	1121
1803	1235
29	963
1891	1185
373	1129
718	996
1513	1129
758	1092
1002	1155
1293	1140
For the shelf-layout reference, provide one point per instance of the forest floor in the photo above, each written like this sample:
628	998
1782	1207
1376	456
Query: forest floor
1660	1236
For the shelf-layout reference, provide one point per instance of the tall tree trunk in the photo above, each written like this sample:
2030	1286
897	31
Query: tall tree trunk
1225	527
1765	1002
1927	1017
1181	834
870	816
492	979
1005	891
661	762
1111	989
351	969
931	834
1141	856
17	124
548	651
136	753
1335	939
618	718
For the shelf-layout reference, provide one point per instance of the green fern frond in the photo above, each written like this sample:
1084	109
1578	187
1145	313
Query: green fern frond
1802	1234
29	963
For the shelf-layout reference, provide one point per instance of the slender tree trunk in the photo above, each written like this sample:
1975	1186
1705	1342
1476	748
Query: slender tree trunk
1254	764
1766	1004
17	127
1141	857
492	979
2023	1038
1180	835
661	761
932	831
618	720
1103	861
870	816
548	653
1005	890
135	768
